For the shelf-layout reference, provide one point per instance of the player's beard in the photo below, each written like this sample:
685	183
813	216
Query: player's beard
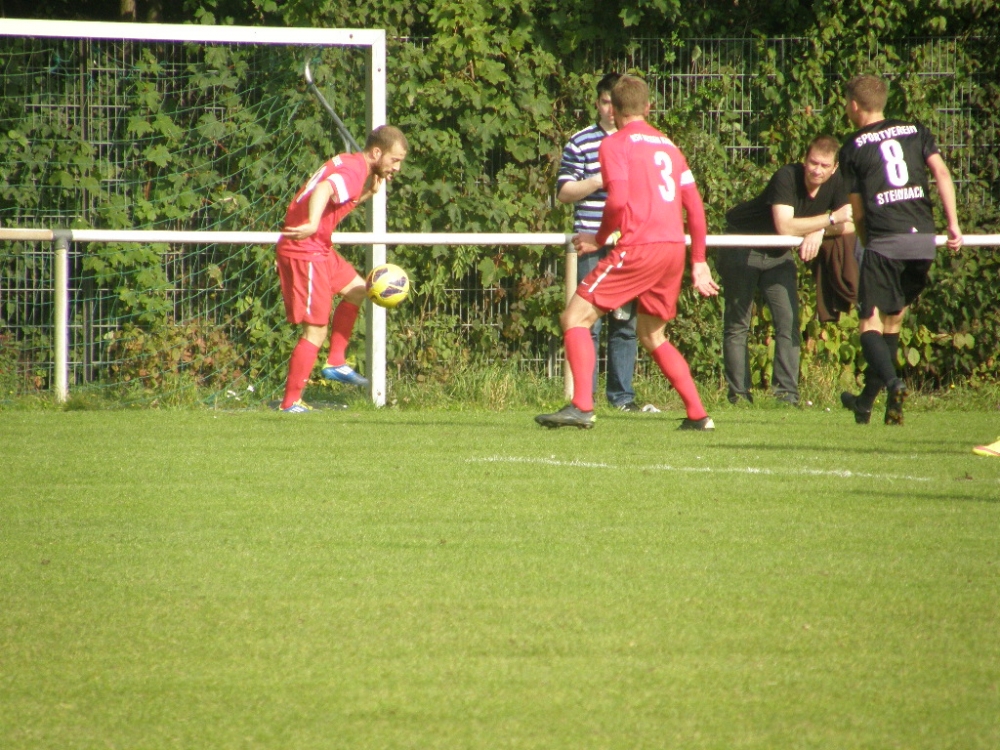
383	171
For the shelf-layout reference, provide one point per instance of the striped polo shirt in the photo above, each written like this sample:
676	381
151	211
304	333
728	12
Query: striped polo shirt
579	162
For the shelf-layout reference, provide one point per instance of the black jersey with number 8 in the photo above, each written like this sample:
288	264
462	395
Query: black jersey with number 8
886	163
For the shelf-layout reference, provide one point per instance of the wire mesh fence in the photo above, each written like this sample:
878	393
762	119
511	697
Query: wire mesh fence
128	128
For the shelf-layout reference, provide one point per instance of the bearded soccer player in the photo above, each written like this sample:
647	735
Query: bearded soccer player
886	165
312	272
649	188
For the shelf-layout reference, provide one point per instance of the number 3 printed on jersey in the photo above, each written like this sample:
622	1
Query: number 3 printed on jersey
895	163
668	189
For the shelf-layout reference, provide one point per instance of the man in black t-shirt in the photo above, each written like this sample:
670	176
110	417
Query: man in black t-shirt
885	165
807	200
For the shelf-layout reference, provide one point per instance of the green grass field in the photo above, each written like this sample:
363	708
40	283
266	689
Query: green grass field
435	579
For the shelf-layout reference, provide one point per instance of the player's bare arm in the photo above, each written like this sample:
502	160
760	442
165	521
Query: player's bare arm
946	189
318	200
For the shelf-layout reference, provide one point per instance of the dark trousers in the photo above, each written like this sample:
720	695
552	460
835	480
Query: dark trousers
622	344
743	271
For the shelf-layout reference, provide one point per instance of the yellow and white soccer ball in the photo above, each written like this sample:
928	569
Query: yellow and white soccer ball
387	285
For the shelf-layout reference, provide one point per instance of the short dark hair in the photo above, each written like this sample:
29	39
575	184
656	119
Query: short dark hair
630	96
824	144
384	137
870	92
607	83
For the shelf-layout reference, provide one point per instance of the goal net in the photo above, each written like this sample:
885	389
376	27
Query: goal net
122	126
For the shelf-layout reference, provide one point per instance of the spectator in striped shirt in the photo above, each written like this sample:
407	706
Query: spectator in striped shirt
579	182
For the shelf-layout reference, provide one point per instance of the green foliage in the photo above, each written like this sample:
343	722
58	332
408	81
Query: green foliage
952	334
12	376
197	354
488	93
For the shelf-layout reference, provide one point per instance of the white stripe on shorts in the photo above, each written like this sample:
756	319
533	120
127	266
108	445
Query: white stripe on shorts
599	279
309	292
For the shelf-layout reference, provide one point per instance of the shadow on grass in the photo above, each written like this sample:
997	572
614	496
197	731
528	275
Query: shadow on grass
910	495
864	450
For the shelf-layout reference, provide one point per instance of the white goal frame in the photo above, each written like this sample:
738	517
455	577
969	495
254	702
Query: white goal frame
373	40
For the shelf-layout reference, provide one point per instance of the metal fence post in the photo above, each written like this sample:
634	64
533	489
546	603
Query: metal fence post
60	323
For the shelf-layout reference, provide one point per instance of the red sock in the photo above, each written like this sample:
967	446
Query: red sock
343	323
300	365
675	367
582	359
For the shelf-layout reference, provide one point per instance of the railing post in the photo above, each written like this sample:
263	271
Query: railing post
60	323
570	291
375	333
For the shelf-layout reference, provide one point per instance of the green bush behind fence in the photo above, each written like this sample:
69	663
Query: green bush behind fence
158	136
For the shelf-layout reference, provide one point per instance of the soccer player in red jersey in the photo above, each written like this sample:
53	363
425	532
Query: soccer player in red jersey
650	189
312	272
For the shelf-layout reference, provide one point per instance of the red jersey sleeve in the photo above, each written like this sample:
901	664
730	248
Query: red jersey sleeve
614	173
614	208
347	177
696	222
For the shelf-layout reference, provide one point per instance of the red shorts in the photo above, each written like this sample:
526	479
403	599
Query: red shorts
649	273
308	286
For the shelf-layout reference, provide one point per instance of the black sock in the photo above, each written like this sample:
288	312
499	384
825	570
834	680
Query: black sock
873	386
876	351
892	345
873	383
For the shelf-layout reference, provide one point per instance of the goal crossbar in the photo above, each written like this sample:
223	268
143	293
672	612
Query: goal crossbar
167	32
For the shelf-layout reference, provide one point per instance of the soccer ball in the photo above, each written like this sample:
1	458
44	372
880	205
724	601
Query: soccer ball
387	285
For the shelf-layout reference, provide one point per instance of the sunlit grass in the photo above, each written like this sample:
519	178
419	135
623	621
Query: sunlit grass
438	578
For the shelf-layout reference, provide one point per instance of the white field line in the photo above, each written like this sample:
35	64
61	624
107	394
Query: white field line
841	473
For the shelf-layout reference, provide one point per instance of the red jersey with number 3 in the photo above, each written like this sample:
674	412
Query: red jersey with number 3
643	163
346	174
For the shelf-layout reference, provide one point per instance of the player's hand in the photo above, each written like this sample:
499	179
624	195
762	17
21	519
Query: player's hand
701	277
809	248
585	243
955	239
372	185
300	232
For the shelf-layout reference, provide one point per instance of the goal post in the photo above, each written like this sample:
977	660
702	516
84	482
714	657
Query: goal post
372	41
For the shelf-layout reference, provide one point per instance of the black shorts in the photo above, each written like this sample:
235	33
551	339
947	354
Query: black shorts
890	285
